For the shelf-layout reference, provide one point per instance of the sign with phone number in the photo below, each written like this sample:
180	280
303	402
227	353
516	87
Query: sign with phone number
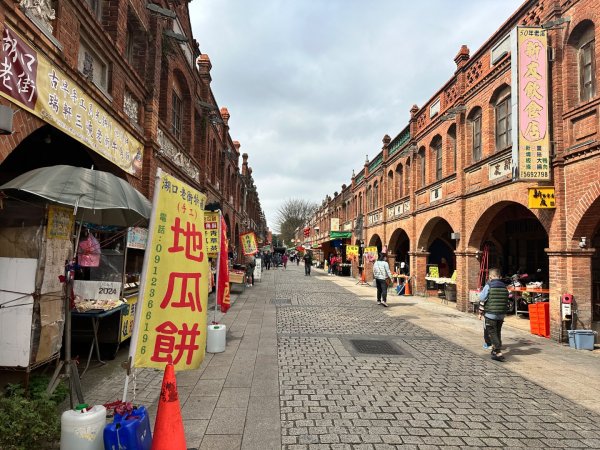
173	299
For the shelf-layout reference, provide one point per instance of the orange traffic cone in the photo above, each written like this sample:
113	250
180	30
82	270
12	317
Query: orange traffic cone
168	429
407	290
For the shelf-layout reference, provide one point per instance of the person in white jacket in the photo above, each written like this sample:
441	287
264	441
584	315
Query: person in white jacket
381	272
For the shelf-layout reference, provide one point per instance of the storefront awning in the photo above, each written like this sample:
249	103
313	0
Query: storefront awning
340	234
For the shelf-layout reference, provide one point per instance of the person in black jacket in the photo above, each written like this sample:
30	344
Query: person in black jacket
307	262
493	306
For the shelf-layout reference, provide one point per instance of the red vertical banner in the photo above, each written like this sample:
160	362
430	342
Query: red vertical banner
223	297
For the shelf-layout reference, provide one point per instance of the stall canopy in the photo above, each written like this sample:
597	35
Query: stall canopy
340	234
98	197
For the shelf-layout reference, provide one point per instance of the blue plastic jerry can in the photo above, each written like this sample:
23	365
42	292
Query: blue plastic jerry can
129	432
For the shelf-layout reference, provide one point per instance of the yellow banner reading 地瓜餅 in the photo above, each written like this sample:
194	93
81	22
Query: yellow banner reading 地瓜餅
173	299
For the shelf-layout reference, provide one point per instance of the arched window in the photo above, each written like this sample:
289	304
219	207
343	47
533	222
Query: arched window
375	195
399	180
452	144
501	100
475	129
436	151
422	171
390	187
369	198
360	203
407	181
586	55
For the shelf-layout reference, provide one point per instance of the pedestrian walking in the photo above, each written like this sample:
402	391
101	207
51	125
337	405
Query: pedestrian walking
307	263
493	306
383	277
284	260
250	265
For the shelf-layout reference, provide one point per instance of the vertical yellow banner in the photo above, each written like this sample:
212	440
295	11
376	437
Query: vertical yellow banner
172	309
211	225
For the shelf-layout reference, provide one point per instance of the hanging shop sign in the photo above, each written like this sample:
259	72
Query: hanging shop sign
137	237
171	314
29	79
60	222
530	81
249	245
340	234
351	251
211	228
335	224
541	198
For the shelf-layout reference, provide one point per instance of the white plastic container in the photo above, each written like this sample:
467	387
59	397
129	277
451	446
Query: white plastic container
215	338
82	428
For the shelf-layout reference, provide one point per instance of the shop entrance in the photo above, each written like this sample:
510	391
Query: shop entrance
515	241
400	245
437	239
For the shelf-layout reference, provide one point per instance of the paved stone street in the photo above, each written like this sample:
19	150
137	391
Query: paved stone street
314	363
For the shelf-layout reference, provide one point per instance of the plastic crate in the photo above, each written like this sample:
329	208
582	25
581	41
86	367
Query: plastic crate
584	339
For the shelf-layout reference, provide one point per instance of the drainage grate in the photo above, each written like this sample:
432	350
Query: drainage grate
281	301
374	347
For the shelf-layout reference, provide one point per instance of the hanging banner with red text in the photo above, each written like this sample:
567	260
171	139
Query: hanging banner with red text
211	225
171	320
249	245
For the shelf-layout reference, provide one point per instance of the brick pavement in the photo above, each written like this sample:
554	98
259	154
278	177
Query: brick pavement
291	378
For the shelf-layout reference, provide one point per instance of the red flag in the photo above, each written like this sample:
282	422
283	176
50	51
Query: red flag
223	298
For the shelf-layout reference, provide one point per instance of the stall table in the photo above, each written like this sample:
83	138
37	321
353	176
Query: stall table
95	315
237	278
521	289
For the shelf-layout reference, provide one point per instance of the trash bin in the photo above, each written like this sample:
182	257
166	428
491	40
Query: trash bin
571	338
450	292
584	339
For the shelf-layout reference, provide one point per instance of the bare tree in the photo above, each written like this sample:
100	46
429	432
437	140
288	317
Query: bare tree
293	214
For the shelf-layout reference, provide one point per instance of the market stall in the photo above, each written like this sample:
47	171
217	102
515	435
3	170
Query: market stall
89	198
445	286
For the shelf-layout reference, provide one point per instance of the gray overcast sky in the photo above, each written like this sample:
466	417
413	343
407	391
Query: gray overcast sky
312	86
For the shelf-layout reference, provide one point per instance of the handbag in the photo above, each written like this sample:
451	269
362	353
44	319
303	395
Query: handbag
388	281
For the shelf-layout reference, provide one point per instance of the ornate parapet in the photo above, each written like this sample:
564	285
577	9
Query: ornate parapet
169	150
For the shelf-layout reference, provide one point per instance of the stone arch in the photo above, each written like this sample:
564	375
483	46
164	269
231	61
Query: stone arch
429	229
516	235
499	201
375	241
585	220
399	245
435	239
48	146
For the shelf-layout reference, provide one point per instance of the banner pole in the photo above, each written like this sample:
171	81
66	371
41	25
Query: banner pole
141	292
218	270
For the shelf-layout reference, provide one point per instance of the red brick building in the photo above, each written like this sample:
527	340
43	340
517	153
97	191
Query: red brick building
141	69
443	187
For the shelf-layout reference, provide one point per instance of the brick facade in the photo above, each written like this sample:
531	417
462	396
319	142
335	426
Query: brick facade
147	65
476	198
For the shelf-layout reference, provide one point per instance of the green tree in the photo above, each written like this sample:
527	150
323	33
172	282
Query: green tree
293	214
